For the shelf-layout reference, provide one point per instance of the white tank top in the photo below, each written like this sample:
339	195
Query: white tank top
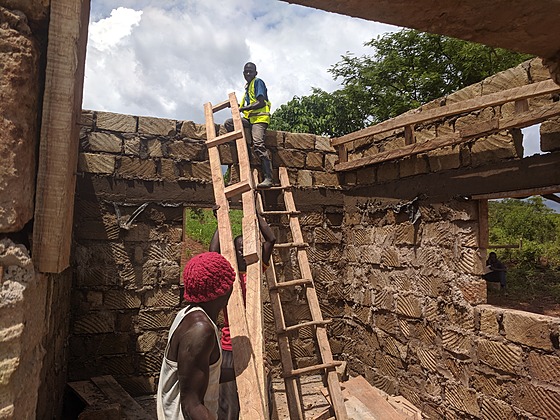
168	393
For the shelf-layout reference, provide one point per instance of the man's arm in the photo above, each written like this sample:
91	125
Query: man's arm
215	241
269	240
195	348
255	105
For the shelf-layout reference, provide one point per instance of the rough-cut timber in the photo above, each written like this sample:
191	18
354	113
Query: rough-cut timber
58	153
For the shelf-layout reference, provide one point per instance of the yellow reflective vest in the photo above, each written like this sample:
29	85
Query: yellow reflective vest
260	115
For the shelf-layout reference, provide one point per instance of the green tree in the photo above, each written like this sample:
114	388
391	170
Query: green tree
319	113
408	68
531	221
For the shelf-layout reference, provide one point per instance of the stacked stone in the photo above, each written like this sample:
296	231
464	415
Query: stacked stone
167	152
497	147
413	322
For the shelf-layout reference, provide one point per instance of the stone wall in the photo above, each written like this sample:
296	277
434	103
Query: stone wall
506	144
34	308
401	280
126	286
413	321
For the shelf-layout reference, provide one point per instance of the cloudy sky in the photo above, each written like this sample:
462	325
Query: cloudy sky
166	58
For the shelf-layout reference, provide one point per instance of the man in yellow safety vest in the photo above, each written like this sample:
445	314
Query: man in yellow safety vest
255	107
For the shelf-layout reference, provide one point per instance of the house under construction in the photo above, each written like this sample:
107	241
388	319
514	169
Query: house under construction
382	233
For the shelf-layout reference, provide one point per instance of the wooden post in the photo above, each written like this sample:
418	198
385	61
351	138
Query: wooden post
483	229
58	150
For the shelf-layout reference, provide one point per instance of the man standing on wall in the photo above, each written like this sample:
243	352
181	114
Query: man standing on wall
190	373
255	107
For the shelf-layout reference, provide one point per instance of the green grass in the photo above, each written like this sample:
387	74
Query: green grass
534	284
200	224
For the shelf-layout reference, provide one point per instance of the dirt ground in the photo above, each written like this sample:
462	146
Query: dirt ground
544	305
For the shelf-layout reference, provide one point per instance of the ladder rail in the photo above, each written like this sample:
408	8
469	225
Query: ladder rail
291	383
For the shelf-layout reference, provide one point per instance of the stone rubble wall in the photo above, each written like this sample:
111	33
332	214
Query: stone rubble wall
506	144
127	286
34	308
410	315
19	109
22	322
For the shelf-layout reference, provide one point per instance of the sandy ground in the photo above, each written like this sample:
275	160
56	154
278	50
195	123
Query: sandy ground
313	400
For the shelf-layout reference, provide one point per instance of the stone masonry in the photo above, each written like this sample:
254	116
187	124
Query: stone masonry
401	280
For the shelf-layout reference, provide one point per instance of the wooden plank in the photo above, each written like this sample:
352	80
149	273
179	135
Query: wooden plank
402	405
551	197
251	395
379	406
221	105
88	392
539	171
342	153
115	393
454	139
237	189
519	193
483	229
409	135
58	149
498	98
320	332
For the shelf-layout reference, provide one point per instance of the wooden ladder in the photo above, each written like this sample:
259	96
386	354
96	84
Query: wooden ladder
246	323
327	366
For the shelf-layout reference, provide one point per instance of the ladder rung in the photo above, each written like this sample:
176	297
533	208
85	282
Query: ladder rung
290	283
221	105
292	245
237	189
303	325
279	212
297	372
225	138
276	187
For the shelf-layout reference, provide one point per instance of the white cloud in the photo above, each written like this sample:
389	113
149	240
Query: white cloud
167	58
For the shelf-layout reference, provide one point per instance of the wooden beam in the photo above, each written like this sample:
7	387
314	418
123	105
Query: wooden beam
523	92
483	229
531	173
552	197
58	150
494	126
518	193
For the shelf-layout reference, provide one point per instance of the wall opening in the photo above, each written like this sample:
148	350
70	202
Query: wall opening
524	233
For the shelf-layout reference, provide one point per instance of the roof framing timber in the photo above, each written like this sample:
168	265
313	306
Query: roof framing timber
530	175
499	98
517	25
495	125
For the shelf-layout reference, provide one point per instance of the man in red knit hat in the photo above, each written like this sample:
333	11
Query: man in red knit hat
190	373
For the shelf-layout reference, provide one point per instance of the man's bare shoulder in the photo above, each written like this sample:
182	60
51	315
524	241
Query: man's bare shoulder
196	323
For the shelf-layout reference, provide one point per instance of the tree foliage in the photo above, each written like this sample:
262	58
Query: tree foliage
407	68
530	221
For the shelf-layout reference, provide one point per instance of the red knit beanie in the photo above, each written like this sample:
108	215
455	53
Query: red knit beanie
206	277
